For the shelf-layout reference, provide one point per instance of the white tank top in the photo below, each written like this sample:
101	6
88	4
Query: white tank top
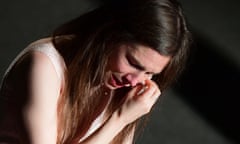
45	46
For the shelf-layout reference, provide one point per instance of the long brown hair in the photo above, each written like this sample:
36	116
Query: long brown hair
87	41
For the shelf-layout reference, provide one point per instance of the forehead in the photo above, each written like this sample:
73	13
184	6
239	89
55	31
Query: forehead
152	60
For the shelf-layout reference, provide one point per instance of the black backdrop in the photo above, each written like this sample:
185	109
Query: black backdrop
202	108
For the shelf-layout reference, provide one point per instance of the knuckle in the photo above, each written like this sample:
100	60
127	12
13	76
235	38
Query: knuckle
158	92
145	106
146	110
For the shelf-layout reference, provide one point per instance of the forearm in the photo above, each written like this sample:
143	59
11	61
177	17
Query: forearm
106	133
134	106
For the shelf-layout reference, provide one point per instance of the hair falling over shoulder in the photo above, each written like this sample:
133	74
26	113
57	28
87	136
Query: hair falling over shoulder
86	43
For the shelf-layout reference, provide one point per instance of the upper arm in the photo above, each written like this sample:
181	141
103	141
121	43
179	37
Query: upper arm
40	113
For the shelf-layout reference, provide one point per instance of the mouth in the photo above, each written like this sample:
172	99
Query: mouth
115	82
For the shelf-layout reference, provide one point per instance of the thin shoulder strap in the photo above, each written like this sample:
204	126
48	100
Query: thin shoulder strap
56	59
46	47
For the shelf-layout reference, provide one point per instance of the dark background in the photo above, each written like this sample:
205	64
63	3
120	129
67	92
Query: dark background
202	108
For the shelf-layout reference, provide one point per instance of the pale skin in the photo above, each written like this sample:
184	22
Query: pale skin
130	66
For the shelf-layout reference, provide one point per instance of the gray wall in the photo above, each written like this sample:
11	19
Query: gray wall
202	108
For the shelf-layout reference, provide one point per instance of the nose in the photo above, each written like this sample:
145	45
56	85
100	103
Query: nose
134	79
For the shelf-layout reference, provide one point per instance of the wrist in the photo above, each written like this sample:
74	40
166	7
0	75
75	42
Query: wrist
118	119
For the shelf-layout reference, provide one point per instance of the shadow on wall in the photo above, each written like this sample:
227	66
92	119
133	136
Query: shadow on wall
211	86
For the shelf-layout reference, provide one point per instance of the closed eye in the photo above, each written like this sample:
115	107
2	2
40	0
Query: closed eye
136	66
133	62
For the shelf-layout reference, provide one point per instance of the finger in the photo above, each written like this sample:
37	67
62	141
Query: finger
142	89
147	92
156	95
151	83
157	91
134	91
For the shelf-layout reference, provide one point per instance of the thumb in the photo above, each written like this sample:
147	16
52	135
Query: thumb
135	90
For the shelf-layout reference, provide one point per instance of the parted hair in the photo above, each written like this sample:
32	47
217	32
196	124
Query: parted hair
87	42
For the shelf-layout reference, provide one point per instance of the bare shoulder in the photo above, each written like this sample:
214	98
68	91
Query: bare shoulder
43	75
34	67
41	66
35	88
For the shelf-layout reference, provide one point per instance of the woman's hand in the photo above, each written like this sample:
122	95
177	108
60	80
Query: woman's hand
136	104
139	101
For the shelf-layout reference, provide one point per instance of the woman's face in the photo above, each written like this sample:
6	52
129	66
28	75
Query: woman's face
130	65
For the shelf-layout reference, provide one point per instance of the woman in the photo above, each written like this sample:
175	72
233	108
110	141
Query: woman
94	79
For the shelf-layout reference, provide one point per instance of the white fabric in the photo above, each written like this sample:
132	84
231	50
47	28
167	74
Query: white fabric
97	123
45	46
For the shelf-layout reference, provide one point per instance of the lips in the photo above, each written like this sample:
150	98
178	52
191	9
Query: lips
115	82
